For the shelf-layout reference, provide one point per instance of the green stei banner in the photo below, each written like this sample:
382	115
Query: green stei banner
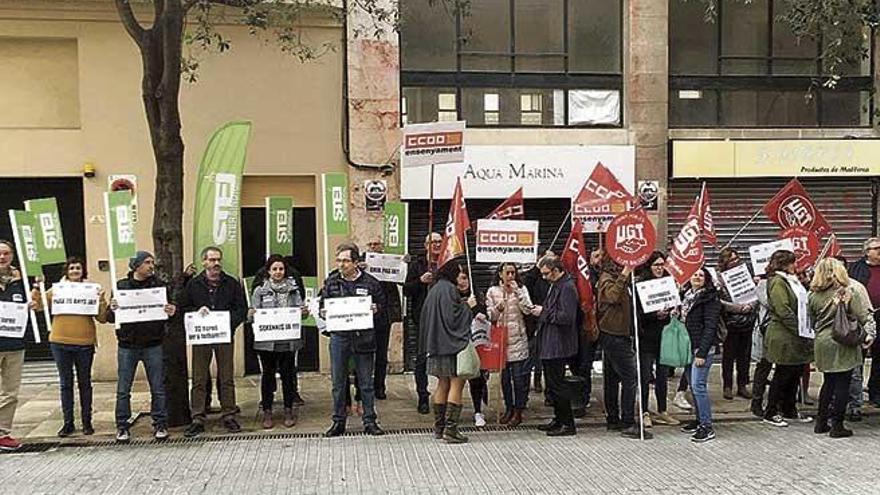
279	226
218	195
26	237
120	224
396	220
311	289
335	204
50	239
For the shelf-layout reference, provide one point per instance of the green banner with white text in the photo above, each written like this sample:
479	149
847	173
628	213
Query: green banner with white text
216	219
335	204
120	224
395	234
50	239
279	225
26	238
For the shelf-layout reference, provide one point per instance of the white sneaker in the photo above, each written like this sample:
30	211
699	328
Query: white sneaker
776	421
160	433
801	418
479	420
681	402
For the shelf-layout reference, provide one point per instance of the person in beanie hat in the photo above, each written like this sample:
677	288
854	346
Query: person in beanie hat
140	342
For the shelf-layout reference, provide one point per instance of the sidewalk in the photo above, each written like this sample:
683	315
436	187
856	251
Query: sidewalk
39	411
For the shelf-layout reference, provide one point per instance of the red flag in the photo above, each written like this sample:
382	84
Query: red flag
707	225
792	207
577	263
686	255
511	209
601	198
806	246
457	224
832	248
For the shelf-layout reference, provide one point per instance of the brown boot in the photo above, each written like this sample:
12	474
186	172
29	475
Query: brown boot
505	418
439	420
515	418
267	419
289	417
744	392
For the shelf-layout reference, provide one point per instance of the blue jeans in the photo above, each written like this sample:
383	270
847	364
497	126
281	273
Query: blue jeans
856	389
515	384
128	360
341	349
67	357
700	389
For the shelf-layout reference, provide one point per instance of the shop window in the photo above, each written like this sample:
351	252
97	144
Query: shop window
446	107
491	111
531	108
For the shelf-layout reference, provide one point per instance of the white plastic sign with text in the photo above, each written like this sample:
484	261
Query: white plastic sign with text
277	324
513	241
136	305
212	328
344	314
75	298
658	294
740	284
760	253
387	267
13	319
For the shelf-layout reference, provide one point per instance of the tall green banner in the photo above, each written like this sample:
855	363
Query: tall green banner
120	224
335	204
396	221
25	225
216	218
279	225
50	239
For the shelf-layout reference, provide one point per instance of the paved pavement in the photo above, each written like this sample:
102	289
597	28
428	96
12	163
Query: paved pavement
747	457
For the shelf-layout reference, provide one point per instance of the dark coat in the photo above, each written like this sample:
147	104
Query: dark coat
651	327
228	296
446	320
702	322
141	334
558	324
413	288
536	285
365	285
860	271
14	292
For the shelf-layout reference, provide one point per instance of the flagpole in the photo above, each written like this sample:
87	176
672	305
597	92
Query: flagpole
738	232
19	249
113	277
559	230
431	204
638	358
467	252
42	285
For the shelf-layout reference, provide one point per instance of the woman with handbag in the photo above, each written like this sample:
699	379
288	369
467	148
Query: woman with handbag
740	321
446	320
834	303
650	332
508	302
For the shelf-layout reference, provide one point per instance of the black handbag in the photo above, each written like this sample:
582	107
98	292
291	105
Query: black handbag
846	331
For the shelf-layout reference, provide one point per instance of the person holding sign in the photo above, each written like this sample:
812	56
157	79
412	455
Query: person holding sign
788	342
140	342
349	281
383	334
831	289
419	279
11	347
508	302
277	291
650	331
701	313
213	290
739	318
73	341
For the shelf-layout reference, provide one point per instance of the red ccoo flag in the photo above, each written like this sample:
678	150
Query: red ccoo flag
707	225
511	209
601	198
792	207
686	255
457	225
577	263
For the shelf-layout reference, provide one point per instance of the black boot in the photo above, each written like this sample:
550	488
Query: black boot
439	420
451	433
757	408
838	430
821	425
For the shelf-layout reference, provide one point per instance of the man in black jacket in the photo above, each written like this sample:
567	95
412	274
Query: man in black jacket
419	278
383	333
867	272
213	290
140	342
349	281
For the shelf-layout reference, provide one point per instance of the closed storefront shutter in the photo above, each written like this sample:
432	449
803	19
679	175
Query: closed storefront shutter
847	204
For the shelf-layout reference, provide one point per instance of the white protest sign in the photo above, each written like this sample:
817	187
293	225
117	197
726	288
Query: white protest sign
344	314
740	284
387	267
658	294
760	253
433	143
75	298
212	328
513	241
277	324
136	305
13	319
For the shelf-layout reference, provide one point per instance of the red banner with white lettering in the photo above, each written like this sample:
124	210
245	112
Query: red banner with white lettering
806	246
686	255
512	208
792	207
706	222
577	263
457	225
600	200
631	238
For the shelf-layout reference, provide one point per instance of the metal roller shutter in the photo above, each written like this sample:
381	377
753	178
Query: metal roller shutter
847	204
549	212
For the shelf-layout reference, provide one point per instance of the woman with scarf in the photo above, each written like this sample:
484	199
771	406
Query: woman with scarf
830	287
277	291
701	312
446	321
508	303
788	343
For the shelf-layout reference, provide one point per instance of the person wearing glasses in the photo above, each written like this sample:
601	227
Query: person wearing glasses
420	276
740	321
866	271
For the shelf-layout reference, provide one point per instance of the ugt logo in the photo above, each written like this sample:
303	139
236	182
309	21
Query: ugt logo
796	212
630	238
685	242
225	195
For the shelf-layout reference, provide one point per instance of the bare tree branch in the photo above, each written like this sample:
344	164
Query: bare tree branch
131	24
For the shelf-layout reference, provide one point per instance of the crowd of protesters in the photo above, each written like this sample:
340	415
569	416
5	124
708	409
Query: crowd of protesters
796	322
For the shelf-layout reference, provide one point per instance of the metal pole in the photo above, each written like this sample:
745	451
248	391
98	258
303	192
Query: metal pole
559	230
638	359
738	232
431	207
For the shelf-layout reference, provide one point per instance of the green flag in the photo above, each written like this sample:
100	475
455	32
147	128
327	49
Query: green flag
335	204
218	194
25	225
120	225
279	225
50	239
311	290
396	218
